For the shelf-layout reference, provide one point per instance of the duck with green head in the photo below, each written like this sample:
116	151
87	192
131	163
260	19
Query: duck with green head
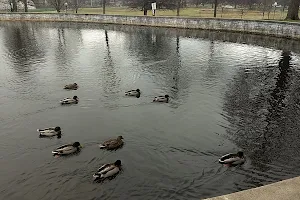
164	99
134	93
233	159
67	149
107	170
50	132
73	100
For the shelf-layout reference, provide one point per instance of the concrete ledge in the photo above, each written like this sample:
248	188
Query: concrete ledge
283	190
272	28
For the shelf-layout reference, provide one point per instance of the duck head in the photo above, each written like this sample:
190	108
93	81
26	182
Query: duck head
167	96
75	98
76	144
118	163
120	137
75	84
57	129
138	90
138	94
240	154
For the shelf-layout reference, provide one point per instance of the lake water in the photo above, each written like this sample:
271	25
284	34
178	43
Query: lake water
228	92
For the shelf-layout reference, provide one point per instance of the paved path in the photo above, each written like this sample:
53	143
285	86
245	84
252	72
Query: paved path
283	190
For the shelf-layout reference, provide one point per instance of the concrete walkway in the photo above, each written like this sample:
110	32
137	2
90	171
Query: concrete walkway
283	190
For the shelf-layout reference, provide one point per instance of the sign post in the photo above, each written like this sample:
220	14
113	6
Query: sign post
153	5
66	6
275	5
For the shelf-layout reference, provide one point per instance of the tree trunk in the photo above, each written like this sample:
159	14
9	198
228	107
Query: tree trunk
104	4
293	10
57	5
14	6
25	5
76	6
178	7
145	8
215	10
265	7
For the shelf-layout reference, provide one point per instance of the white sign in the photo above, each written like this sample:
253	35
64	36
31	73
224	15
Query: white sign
153	6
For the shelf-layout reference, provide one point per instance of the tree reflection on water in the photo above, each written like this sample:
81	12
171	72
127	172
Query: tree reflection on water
262	106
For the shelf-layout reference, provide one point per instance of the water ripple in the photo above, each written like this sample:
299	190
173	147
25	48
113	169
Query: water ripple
224	96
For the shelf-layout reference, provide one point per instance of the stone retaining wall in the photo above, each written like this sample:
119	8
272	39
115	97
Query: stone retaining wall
273	28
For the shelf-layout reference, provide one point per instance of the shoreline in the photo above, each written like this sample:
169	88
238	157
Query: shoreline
288	30
282	190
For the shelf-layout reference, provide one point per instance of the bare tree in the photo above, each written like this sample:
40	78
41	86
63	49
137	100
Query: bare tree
76	4
215	9
14	7
25	5
57	4
103	6
293	10
145	5
178	7
267	5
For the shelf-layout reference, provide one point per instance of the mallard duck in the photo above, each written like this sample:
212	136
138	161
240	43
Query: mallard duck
69	100
136	93
107	170
50	132
67	149
233	159
73	86
164	99
112	144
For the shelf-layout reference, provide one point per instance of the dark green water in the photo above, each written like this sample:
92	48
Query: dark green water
228	92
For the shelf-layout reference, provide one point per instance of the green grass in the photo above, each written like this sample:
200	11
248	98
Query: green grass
42	10
190	12
203	12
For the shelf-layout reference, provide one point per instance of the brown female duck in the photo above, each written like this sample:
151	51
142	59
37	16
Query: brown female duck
73	86
112	144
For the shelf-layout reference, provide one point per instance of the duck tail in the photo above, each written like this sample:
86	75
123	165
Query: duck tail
97	177
102	146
